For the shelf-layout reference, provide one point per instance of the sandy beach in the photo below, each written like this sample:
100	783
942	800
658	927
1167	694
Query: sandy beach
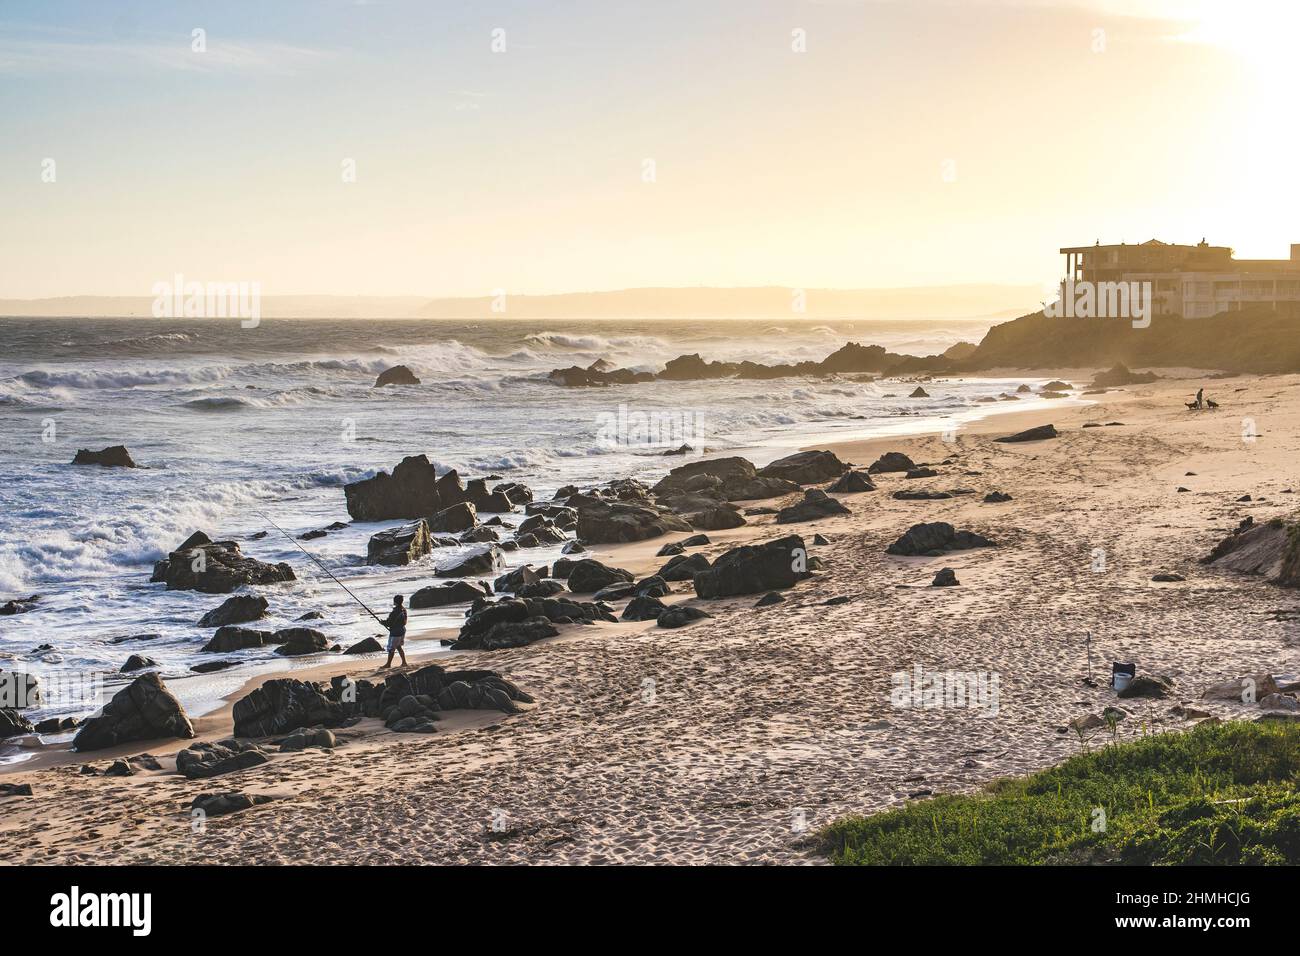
733	739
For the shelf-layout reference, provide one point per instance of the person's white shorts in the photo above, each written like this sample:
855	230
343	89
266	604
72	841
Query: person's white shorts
394	642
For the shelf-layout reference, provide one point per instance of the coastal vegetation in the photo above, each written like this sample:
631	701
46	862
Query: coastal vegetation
1221	793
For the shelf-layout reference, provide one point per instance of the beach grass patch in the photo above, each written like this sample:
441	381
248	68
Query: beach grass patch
1217	794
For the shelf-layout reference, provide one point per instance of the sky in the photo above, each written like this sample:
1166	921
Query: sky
613	144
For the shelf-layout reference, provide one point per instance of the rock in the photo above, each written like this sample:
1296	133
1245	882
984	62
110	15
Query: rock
670	549
919	392
205	759
1269	549
682	568
479	535
816	504
397	375
505	634
1031	434
119	768
653	586
890	462
14	724
235	610
15	789
921	473
411	491
458	592
996	497
310	616
281	705
137	662
603	522
1086	723
805	467
770	598
573	547
736	480
143	710
852	482
540	589
1167	577
695	541
461	516
484	560
679	615
57	725
366	646
215	567
945	578
19	605
220	804
615	592
1120	375
920	495
820	540
716	518
643	608
296	641
751	569
589	575
1145	685
400	545
115	456
310	737
935	538
1279	702
207	667
1242	689
231	638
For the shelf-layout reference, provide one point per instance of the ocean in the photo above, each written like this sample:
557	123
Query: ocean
234	424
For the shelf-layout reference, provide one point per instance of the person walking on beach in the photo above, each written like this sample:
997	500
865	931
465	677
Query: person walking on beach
396	624
1200	398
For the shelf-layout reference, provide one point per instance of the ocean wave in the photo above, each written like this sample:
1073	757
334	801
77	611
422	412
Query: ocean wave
93	378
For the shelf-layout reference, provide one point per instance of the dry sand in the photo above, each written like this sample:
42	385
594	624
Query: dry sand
732	740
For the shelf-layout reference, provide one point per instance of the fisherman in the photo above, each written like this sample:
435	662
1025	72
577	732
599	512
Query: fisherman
1200	398
396	624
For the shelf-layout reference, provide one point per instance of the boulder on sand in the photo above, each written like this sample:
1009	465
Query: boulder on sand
397	375
143	710
1147	685
284	704
137	662
605	522
643	608
215	567
1248	689
919	392
411	491
754	568
1271	549
852	482
679	615
440	595
805	467
400	545
936	538
816	504
235	610
736	480
115	456
207	759
220	804
681	568
368	645
891	461
590	575
1031	434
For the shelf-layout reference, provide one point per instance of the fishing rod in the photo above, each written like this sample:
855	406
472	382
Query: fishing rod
322	567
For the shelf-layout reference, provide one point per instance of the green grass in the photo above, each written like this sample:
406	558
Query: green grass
1219	794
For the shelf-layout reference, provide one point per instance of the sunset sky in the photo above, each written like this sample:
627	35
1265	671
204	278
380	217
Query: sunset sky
915	142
